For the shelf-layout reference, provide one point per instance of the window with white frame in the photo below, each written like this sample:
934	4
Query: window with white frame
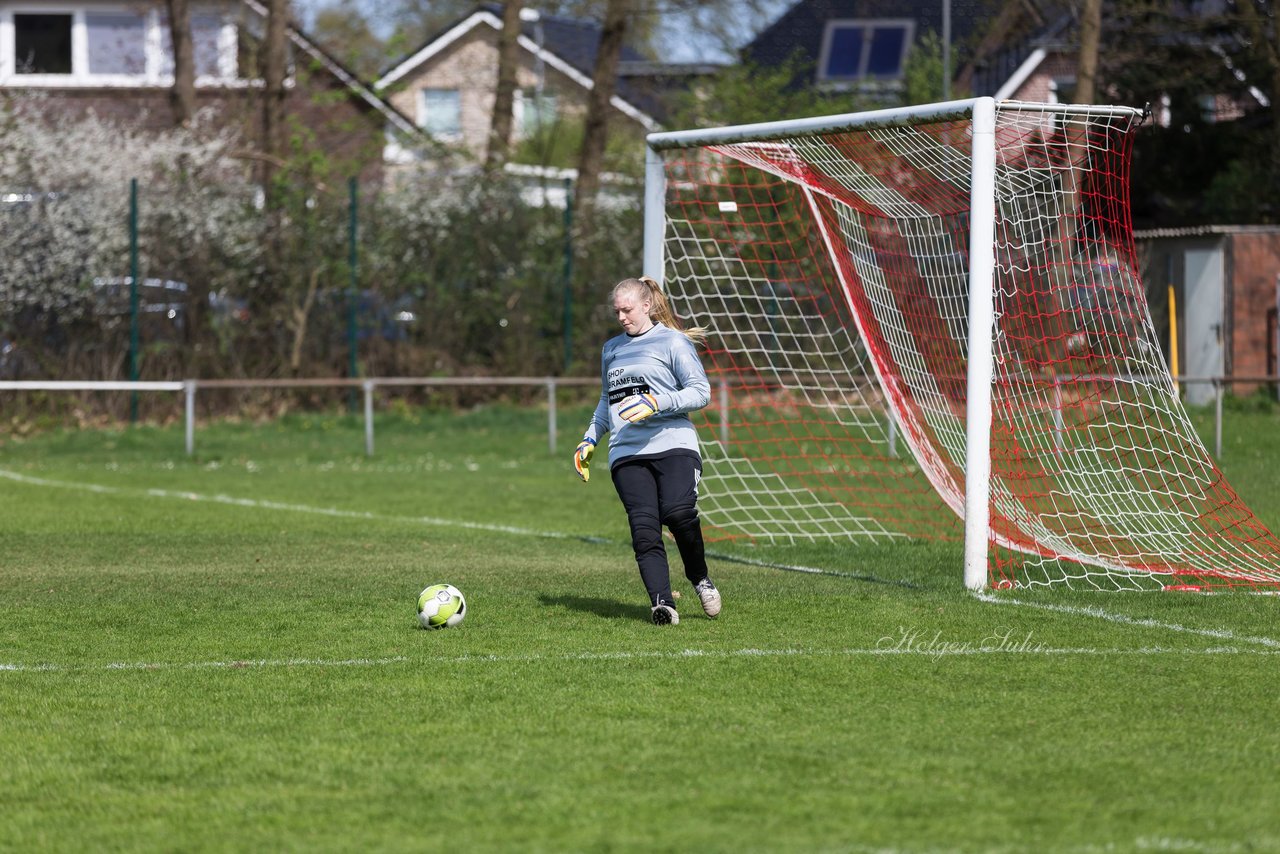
207	34
117	42
1062	90
865	50
41	44
110	44
533	111
440	112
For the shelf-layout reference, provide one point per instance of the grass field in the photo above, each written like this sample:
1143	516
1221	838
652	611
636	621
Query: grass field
220	653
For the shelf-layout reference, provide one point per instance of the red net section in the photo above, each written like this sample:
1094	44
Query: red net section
1097	473
833	272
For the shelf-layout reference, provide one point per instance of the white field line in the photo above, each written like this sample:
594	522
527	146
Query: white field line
1097	613
279	505
954	650
365	515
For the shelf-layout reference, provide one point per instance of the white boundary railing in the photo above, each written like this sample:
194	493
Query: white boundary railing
368	386
190	387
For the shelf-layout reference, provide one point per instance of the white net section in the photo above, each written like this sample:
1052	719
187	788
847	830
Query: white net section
833	272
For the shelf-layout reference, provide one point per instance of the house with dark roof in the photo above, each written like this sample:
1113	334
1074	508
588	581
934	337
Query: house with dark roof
1030	52
862	45
115	60
448	85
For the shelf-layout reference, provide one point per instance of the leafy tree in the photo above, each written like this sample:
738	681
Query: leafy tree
922	75
348	33
1185	58
745	93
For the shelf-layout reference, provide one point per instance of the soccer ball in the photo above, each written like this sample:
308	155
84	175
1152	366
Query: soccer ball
441	606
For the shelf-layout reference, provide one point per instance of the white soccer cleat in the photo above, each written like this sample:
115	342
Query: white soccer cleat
665	615
710	597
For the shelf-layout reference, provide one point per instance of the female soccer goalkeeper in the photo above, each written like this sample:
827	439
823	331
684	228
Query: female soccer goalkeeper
651	378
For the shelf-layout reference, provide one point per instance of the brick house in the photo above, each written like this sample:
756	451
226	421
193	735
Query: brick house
1225	284
447	86
861	45
115	59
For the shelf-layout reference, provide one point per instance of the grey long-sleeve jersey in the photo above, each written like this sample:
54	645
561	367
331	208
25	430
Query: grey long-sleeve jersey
664	363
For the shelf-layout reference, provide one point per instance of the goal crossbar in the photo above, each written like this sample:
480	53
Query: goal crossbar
866	120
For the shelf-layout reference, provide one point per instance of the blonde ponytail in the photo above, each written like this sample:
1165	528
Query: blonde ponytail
660	308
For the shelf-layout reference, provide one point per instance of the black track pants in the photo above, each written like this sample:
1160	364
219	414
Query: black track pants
658	492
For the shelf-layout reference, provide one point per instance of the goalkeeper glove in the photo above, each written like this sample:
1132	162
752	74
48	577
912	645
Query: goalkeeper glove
638	407
582	458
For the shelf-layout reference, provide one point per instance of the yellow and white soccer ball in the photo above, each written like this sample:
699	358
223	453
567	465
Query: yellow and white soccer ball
441	606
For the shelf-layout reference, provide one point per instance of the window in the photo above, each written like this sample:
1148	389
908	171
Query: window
117	42
1062	90
206	30
864	50
110	43
440	111
533	112
249	61
42	44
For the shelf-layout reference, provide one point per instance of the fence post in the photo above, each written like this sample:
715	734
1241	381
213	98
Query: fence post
1218	386
133	298
189	392
567	283
551	414
353	285
367	385
893	432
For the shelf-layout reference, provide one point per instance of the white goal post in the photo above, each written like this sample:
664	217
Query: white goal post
968	268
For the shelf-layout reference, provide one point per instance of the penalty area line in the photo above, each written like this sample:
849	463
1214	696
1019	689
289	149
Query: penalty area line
266	504
364	515
924	650
234	664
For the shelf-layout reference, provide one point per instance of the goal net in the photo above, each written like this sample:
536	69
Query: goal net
919	311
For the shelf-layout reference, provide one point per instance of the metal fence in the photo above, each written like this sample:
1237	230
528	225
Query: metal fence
190	388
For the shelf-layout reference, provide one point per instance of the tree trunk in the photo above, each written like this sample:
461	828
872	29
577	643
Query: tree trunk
1087	68
505	94
595	132
301	315
1086	92
274	69
182	97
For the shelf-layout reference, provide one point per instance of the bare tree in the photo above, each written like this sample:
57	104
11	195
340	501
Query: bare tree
505	94
596	128
182	97
274	69
1087	65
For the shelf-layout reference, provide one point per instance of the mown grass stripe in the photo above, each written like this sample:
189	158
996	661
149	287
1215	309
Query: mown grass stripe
1081	611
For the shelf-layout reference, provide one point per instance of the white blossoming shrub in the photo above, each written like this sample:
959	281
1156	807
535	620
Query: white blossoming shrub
457	272
65	190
